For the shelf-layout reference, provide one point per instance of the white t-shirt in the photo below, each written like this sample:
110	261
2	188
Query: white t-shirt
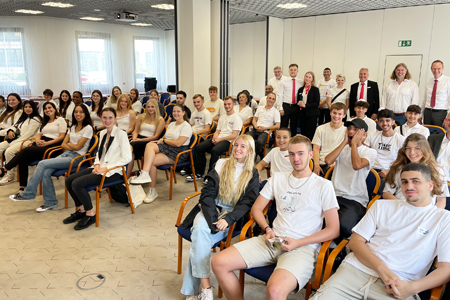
404	237
109	104
175	131
371	125
245	113
137	107
199	119
349	183
69	112
300	208
342	97
239	168
324	86
41	106
415	129
267	117
53	129
96	120
277	104
216	108
278	160
386	147
227	124
328	139
75	137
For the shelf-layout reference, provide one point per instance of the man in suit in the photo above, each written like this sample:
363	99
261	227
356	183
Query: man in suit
365	90
440	145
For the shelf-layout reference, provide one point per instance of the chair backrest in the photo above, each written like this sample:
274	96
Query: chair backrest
164	99
105	99
144	100
163	133
213	127
311	165
193	140
435	129
92	150
169	109
88	102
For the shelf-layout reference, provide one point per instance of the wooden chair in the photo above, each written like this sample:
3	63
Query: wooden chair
435	129
164	98
270	138
212	129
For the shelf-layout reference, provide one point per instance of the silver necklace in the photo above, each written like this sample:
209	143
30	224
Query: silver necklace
289	180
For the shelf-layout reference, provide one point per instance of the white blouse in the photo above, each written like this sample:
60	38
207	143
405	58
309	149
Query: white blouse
123	122
245	113
53	129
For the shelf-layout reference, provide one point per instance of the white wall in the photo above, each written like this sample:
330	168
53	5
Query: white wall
247	58
51	51
171	75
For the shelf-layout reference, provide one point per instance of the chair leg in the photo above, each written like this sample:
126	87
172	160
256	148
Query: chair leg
193	172
97	206
130	201
40	187
220	292
180	253
242	280
66	194
174	176
171	183
109	195
308	290
167	175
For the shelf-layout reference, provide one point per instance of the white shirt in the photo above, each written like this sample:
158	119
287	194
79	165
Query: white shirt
278	105
95	118
397	97
75	137
324	86
404	237
410	130
137	107
41	106
286	86
371	124
199	119
442	93
175	131
53	129
278	160
444	156
386	147
342	97
216	108
364	98
245	113
301	203
275	83
227	124
109	104
349	183
28	129
5	125
148	129
267	117
254	105
123	122
328	139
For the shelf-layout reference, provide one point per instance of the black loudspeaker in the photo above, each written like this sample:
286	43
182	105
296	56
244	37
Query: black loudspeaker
172	88
150	83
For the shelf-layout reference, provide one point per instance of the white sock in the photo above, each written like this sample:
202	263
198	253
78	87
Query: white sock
144	173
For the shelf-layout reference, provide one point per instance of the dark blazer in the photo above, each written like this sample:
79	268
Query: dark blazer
435	141
208	204
373	97
312	103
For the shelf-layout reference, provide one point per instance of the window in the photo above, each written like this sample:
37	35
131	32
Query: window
13	74
94	62
148	61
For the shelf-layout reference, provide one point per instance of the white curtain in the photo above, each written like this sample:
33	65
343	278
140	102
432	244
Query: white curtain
148	61
94	61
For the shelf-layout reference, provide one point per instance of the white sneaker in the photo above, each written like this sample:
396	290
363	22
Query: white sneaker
192	297
9	177
206	294
143	178
151	195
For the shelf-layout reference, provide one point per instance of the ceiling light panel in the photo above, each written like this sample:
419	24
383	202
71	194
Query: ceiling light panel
91	19
291	5
164	6
58	4
29	11
141	24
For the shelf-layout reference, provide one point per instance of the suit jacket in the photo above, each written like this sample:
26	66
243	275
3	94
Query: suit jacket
435	141
373	97
312	104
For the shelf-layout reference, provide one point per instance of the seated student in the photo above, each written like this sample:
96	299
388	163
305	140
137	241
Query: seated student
413	114
51	134
215	104
126	117
415	150
165	150
113	100
75	143
66	106
2	104
303	200
149	127
278	157
263	100
155	95
228	129
113	150
77	98
48	97
353	162
135	103
386	142
440	145
266	118
11	114
232	186
243	109
328	136
95	110
181	99
361	108
394	246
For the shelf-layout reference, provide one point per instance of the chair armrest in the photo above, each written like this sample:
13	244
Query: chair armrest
331	258
244	129
46	153
373	201
230	235
323	253
183	204
209	136
54	150
124	172
73	160
83	161
245	229
270	132
436	293
178	156
21	145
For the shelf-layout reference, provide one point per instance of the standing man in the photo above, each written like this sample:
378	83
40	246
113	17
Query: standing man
365	90
324	85
215	105
288	96
435	103
276	81
181	99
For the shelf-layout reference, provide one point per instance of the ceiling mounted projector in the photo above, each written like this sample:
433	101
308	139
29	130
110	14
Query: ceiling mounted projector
127	17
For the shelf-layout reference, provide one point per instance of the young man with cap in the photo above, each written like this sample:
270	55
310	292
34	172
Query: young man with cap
353	162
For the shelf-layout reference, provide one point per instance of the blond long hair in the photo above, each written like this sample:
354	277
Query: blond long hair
147	117
227	192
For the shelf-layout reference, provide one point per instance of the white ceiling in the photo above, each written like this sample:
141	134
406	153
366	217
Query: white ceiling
241	11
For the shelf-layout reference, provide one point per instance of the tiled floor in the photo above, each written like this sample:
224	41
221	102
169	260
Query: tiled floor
41	258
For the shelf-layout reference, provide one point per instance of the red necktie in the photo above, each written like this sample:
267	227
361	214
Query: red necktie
433	94
293	90
361	94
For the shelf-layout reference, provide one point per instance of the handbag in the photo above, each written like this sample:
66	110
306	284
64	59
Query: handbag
119	194
137	194
16	131
335	97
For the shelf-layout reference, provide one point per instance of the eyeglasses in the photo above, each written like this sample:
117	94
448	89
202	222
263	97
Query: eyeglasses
409	149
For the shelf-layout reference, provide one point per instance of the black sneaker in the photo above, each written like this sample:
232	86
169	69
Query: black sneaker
184	171
74	217
85	222
190	178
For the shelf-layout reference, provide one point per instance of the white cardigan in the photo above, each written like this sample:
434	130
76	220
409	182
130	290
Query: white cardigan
28	129
118	153
4	126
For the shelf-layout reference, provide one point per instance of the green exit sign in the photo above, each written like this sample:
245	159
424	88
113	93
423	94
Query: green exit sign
406	43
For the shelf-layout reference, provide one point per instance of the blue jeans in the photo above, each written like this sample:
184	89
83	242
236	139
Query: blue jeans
400	120
199	264
43	172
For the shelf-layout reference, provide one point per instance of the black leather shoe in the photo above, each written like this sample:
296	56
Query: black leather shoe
85	222
74	217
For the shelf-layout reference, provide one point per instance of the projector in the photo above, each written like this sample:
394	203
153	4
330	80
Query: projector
127	17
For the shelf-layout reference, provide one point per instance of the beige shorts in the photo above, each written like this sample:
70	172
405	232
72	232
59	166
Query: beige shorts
299	262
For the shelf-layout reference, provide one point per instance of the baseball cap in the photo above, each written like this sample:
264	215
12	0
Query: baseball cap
358	123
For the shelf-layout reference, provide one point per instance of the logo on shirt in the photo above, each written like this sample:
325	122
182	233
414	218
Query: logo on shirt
423	231
211	109
231	124
385	147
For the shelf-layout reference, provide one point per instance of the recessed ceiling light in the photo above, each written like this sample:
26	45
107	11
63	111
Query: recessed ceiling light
96	9
29	11
141	24
58	4
291	5
92	19
163	6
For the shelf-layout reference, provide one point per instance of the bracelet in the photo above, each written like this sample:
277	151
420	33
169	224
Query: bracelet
267	229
